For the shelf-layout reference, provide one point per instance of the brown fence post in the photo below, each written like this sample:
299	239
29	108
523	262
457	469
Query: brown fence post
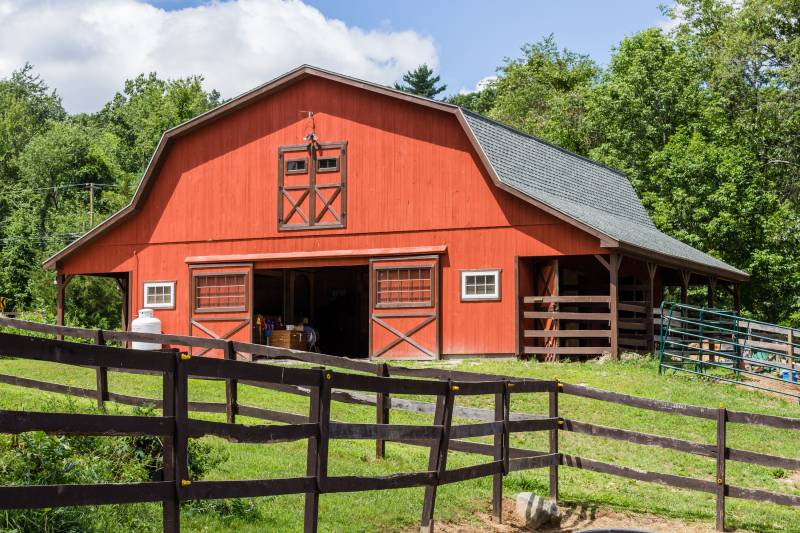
231	387
553	412
181	415
722	419
382	405
501	414
437	461
102	374
319	413
171	508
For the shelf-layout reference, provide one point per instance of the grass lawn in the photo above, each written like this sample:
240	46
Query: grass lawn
400	510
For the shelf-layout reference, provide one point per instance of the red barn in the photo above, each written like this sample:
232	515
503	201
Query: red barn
393	225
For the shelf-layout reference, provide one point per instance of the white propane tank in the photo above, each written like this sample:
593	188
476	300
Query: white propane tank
146	323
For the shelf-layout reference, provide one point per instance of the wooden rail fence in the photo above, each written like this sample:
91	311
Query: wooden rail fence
322	386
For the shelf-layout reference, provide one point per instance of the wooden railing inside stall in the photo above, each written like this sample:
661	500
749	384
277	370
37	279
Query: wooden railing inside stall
322	386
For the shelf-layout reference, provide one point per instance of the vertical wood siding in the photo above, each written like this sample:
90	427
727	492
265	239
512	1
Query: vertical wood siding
413	180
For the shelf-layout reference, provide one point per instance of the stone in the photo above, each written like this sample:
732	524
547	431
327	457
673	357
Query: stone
537	511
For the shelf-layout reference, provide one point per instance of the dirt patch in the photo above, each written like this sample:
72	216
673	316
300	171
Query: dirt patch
576	519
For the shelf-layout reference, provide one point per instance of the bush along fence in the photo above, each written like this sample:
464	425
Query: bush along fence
322	386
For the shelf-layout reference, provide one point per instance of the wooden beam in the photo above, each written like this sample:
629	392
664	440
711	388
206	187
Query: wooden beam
603	261
737	297
712	289
650	329
686	276
613	302
61	289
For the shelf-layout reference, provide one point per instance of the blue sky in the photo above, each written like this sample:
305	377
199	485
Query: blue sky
472	37
87	49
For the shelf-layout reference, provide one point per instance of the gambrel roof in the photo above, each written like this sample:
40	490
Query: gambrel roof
595	198
591	193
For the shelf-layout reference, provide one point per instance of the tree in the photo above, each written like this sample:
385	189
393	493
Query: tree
480	101
146	108
421	81
543	93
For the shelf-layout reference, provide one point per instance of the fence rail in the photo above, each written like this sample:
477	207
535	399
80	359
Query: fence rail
322	386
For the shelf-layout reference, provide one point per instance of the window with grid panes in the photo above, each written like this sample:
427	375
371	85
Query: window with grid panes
404	286
220	292
159	294
480	285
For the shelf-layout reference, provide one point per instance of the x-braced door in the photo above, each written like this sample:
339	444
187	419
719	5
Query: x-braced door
219	304
312	186
404	319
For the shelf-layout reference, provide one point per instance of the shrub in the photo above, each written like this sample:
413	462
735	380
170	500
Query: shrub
40	459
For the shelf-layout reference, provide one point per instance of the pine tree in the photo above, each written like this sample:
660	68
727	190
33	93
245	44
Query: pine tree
421	81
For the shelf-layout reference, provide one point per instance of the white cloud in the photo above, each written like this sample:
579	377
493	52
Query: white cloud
87	49
481	85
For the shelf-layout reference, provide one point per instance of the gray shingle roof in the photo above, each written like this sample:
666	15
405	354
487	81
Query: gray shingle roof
584	190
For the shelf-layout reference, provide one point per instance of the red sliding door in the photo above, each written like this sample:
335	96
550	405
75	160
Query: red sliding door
404	308
220	302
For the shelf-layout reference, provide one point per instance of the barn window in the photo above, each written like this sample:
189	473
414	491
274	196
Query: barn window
159	294
404	287
480	285
220	292
327	164
297	166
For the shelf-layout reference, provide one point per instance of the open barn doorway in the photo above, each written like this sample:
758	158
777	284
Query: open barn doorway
325	309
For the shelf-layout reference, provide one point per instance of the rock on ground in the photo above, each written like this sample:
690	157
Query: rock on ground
537	511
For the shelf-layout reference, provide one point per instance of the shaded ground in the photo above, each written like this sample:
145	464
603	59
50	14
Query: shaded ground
576	519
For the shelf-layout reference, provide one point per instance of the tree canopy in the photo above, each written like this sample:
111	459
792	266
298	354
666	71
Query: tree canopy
422	82
704	120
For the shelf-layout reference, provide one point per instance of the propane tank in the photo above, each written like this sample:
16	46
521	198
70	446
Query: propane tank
146	323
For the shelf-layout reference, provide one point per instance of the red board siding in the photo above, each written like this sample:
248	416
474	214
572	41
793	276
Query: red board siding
413	180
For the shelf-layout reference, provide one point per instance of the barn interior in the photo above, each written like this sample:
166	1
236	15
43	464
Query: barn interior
333	301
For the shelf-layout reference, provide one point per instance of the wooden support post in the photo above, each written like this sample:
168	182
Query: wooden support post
722	418
790	347
614	261
501	414
171	506
712	289
382	407
650	328
317	457
553	448
102	374
124	289
311	517
737	297
61	287
685	279
231	387
437	461
181	415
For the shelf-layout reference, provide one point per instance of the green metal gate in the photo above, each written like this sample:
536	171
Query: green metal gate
721	345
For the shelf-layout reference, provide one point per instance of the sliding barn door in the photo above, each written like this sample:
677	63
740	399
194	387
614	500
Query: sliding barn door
220	302
404	319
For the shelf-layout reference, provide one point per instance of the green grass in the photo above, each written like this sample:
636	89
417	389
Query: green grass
400	510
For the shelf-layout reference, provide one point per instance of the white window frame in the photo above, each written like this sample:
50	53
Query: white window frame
167	305
480	297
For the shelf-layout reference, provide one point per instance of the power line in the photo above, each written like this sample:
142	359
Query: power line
56	187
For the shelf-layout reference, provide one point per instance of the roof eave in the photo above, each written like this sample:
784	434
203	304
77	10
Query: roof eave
685	264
